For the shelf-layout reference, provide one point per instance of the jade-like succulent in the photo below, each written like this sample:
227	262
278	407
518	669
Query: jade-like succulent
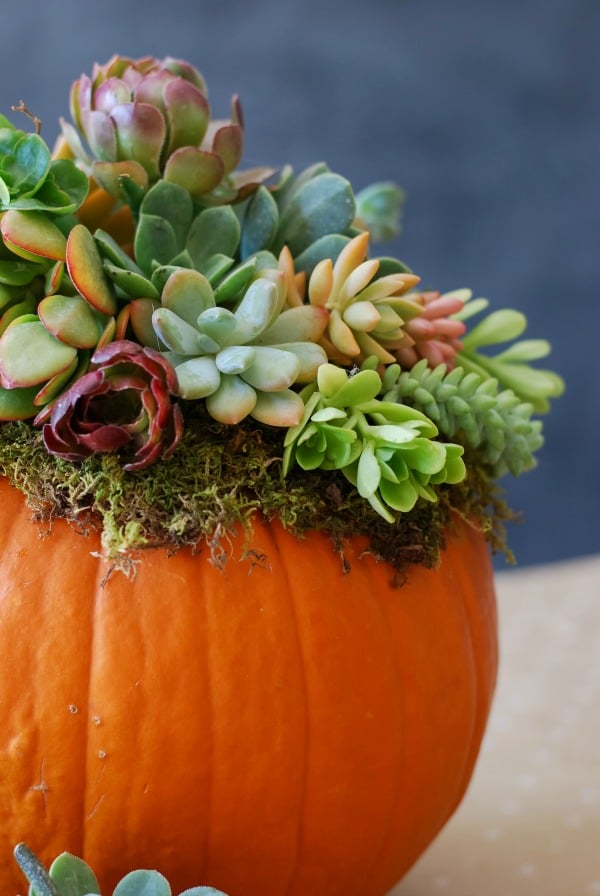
144	119
386	449
71	876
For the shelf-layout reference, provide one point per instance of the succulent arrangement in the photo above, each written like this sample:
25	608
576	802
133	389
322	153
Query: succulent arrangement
71	876
158	305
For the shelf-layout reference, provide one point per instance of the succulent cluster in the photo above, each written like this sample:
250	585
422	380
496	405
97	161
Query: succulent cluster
143	274
71	876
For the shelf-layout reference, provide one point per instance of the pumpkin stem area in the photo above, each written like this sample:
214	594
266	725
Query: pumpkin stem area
220	476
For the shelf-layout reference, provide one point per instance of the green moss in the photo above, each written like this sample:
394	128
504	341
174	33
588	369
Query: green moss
220	476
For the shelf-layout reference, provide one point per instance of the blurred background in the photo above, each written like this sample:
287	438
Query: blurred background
488	115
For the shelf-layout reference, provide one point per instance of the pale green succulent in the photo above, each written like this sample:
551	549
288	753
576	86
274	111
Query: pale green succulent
71	876
242	362
386	449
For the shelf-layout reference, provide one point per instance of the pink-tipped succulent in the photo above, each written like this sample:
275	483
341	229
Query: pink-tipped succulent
125	403
430	330
145	119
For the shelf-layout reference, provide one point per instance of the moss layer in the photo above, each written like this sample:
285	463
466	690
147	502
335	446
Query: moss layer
220	476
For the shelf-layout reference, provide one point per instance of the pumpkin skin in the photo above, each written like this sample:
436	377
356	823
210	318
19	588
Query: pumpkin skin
273	729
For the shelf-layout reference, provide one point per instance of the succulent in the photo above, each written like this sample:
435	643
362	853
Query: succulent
124	403
385	448
431	328
244	361
144	119
71	876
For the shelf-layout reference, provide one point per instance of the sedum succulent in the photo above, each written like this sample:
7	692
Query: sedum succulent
71	876
385	448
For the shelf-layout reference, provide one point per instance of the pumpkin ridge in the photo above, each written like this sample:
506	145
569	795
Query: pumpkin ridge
277	534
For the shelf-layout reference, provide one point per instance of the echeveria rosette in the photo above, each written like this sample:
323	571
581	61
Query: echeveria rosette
125	403
144	119
386	449
69	875
242	362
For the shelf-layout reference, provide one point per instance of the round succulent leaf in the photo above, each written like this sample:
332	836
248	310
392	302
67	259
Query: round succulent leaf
236	359
272	369
324	205
303	323
368	474
27	165
232	401
187	293
310	357
401	496
228	144
115	176
100	132
197	378
62	192
525	350
259	223
155	242
176	334
30	355
378	208
141	132
85	268
356	390
194	169
258	308
187	112
203	891
289	185
140	320
32	236
219	324
143	883
24	309
283	408
73	876
362	316
499	326
173	203
389	265
71	320
19	272
214	230
17	404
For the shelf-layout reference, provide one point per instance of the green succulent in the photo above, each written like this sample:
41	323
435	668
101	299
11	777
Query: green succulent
386	449
71	876
474	410
511	367
242	361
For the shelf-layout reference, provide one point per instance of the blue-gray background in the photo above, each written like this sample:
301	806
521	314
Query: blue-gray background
487	113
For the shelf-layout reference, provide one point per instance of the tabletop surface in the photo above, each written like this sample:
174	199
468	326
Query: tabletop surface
530	823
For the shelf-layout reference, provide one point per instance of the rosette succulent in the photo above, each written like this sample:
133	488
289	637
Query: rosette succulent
124	403
144	119
147	283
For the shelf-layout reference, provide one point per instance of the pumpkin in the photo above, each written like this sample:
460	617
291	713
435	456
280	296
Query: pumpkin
278	726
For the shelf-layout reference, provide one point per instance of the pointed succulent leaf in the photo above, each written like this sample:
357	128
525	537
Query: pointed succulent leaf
197	378
214	230
174	204
112	251
27	166
84	265
71	320
196	170
233	283
232	401
155	242
525	350
133	285
256	310
368	474
143	883
324	205
30	355
259	224
284	408
32	236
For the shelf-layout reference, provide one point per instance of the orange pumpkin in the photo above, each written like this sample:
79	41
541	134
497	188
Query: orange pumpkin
273	728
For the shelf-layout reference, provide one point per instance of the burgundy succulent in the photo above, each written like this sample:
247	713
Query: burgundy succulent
124	403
